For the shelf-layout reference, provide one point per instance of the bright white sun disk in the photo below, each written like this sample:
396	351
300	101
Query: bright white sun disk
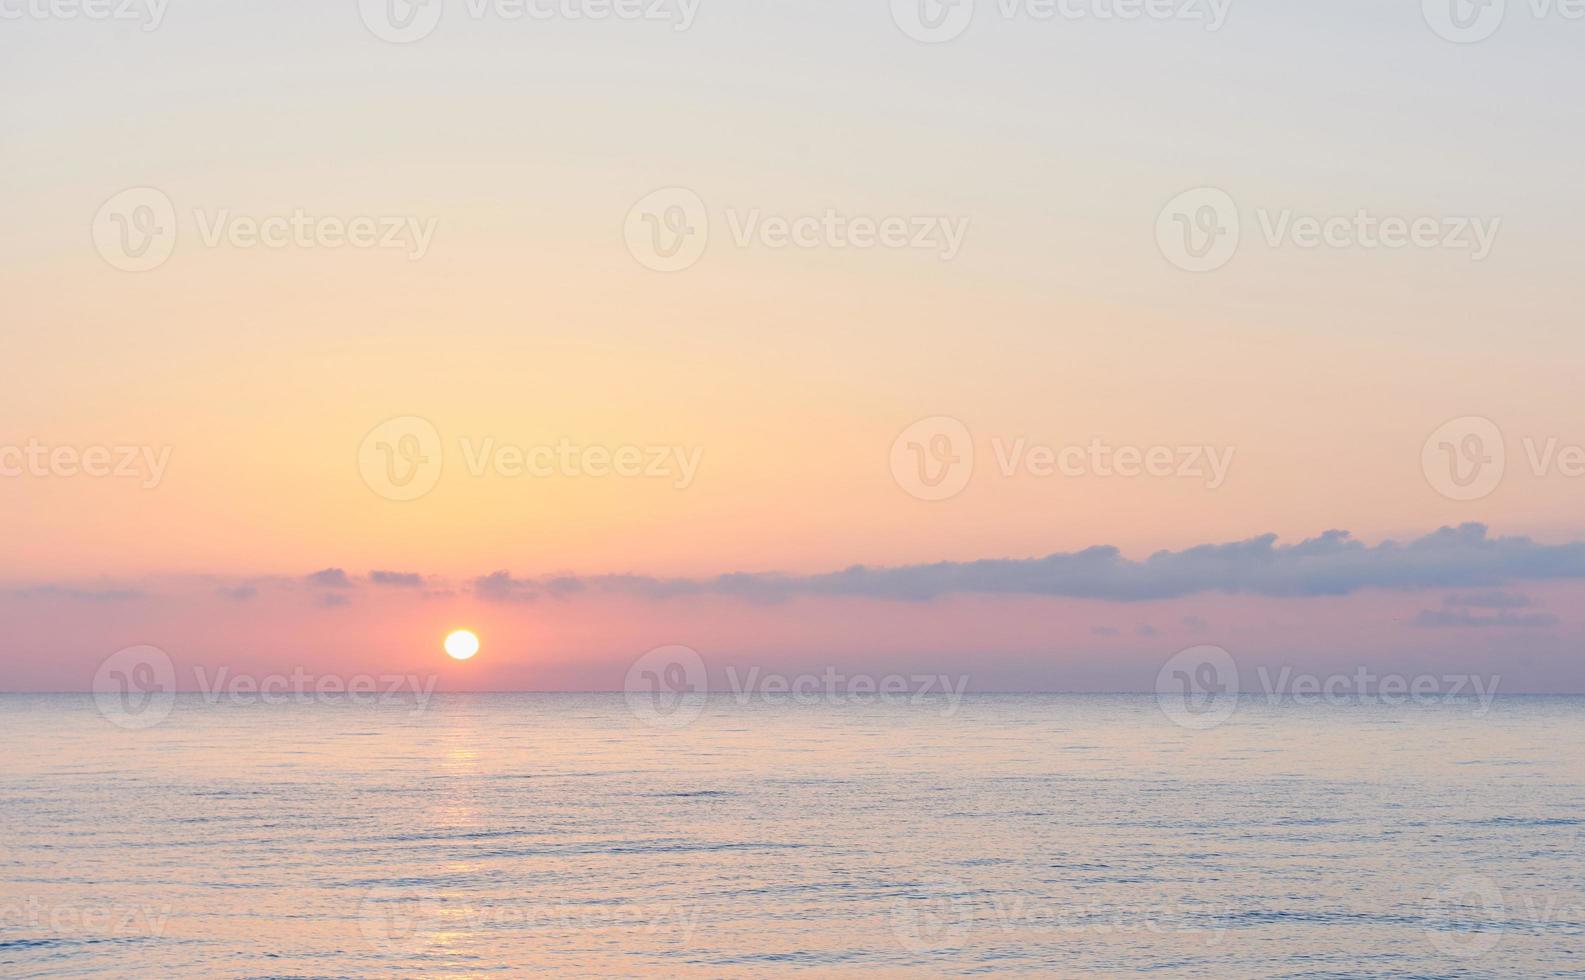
462	645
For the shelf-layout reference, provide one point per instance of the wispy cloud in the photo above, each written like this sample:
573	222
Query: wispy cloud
1461	619
1489	600
1480	610
80	594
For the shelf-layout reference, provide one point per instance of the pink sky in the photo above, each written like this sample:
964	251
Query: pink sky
255	385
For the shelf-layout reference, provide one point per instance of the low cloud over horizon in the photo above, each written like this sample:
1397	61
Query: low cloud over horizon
1332	564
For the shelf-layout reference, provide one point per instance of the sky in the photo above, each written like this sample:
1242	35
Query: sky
655	325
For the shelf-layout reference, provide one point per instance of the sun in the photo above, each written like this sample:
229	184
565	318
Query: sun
462	645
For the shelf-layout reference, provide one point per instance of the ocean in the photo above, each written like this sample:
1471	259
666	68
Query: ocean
1070	836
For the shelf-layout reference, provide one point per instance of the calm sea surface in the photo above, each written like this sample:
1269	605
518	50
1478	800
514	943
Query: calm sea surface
1053	835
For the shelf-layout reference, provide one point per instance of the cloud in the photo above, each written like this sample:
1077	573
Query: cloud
1333	564
79	595
403	580
1479	610
1458	619
1195	624
565	585
1104	631
238	593
1489	600
502	587
330	578
332	600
